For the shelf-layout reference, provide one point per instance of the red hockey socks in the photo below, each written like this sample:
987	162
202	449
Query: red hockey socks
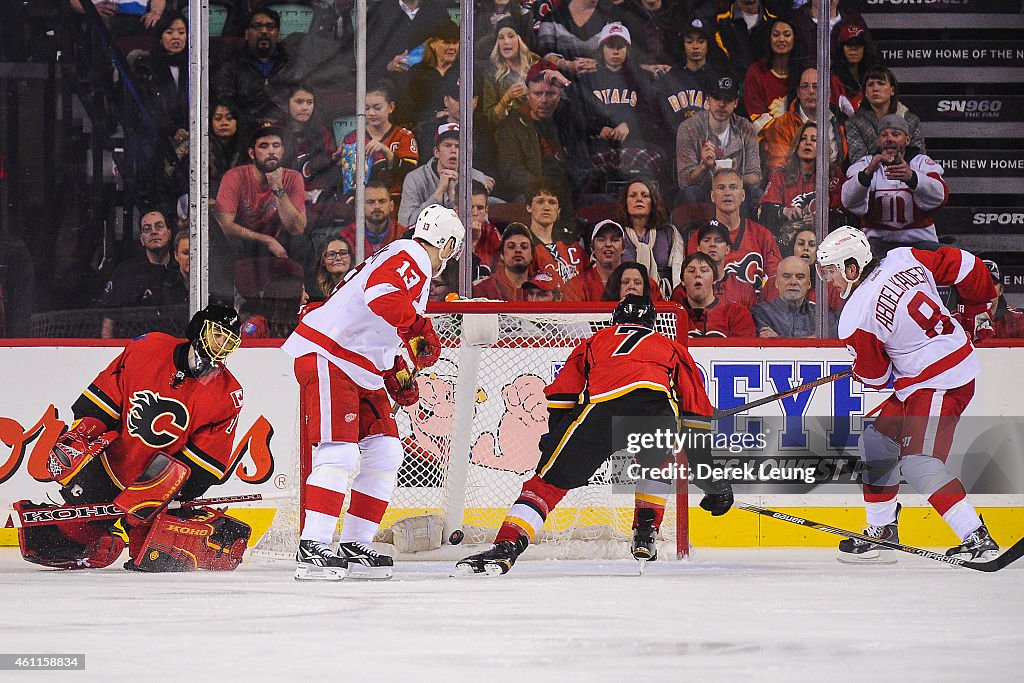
531	509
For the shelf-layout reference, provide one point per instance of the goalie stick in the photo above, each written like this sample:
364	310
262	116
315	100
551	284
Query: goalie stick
102	511
720	414
1012	554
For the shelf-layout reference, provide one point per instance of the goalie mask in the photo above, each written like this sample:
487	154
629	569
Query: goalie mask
838	247
213	334
440	227
635	310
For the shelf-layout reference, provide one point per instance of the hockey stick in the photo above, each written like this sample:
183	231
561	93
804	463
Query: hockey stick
102	511
720	414
1012	554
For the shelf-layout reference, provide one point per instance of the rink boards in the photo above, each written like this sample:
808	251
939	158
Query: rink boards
41	382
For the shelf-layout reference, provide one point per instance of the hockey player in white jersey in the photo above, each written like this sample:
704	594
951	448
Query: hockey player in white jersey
347	361
895	325
895	191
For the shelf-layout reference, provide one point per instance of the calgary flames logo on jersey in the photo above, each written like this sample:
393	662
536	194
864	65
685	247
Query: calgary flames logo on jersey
156	421
750	269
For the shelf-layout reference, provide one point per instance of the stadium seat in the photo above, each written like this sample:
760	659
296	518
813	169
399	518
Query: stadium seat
685	214
503	214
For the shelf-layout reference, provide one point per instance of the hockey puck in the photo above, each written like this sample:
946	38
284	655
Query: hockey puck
456	537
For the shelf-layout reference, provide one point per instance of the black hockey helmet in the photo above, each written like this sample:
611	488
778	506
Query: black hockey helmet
214	332
635	309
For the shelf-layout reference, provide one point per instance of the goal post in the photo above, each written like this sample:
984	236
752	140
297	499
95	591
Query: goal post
472	439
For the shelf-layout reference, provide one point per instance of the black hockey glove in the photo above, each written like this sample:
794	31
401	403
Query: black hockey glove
545	440
717	497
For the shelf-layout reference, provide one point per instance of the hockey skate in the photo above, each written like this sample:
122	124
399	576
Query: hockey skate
858	551
314	561
645	538
977	547
366	563
494	562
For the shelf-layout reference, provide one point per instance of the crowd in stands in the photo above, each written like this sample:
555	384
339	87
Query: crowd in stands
660	146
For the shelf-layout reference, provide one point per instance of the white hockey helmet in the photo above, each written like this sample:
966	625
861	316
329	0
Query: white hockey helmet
438	226
838	247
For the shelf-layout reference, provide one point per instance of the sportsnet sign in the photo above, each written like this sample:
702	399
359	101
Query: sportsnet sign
951	53
966	107
939	6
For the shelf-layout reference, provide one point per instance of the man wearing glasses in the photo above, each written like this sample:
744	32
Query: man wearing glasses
150	281
253	76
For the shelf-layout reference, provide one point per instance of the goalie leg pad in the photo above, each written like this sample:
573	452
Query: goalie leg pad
187	539
153	490
66	545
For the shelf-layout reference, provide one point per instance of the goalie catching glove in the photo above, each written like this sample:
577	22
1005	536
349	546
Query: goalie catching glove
87	438
422	342
400	383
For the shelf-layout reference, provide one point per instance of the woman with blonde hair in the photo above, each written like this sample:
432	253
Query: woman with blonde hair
505	76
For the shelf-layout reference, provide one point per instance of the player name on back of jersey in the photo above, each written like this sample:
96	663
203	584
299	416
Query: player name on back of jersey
893	290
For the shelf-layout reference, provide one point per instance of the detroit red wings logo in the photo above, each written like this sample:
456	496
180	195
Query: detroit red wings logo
155	420
749	269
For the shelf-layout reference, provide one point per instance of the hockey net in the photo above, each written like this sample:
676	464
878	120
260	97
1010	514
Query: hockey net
472	440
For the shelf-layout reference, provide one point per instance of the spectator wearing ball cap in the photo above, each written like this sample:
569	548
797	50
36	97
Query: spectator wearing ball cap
716	139
881	97
895	191
684	91
543	286
513	269
805	23
852	59
713	240
570	37
999	320
437	181
624	93
662	23
607	243
548	138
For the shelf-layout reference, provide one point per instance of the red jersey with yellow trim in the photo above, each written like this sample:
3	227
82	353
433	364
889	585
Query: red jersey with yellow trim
194	421
895	324
623	358
357	327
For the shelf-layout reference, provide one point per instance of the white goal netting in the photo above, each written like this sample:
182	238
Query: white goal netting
471	440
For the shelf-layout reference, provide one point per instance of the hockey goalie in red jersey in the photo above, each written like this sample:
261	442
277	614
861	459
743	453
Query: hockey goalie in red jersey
625	370
896	327
153	429
348	361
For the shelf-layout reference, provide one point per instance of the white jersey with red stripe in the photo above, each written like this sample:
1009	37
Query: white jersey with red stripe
890	210
896	325
356	328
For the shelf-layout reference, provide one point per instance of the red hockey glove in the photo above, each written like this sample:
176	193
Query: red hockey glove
76	447
978	321
401	384
422	342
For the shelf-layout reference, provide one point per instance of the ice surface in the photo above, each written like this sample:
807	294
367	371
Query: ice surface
727	615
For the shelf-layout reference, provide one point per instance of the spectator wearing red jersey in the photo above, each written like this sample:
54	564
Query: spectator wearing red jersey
555	246
713	240
486	238
513	268
766	86
788	204
607	244
753	254
709	315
